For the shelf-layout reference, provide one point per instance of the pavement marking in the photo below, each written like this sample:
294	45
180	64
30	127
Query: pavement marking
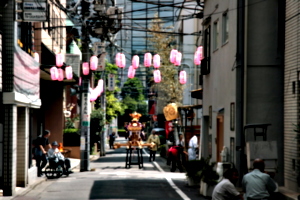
172	184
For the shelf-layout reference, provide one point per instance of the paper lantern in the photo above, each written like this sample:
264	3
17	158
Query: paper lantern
197	60
59	59
182	77
122	61
178	59
200	49
147	59
36	57
118	59
156	61
69	72
135	62
60	74
85	68
100	85
157	76
131	72
54	73
80	80
173	55
93	95
93	63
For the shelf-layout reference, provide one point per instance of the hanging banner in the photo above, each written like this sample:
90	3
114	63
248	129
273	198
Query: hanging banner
111	82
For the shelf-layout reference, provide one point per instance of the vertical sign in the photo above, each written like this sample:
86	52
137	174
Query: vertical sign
111	82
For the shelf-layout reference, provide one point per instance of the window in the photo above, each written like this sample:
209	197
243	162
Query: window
216	35
225	27
205	63
232	116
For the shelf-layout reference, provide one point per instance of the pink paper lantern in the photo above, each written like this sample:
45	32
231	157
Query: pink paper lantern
93	95
60	58
36	57
156	61
131	72
182	77
69	72
178	59
85	68
200	49
54	73
122	61
173	55
147	59
93	63
135	62
80	80
157	76
118	59
60	74
100	86
198	56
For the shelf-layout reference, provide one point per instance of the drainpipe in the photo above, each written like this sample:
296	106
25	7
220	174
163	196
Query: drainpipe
240	60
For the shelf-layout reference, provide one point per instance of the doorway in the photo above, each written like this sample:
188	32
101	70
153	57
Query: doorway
220	136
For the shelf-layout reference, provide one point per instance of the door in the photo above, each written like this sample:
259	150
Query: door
220	136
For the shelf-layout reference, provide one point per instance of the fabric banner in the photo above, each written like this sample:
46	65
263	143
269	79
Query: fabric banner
168	128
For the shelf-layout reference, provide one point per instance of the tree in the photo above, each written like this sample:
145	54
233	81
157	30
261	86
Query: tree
170	90
134	89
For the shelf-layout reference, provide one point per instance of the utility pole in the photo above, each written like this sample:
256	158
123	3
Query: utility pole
85	100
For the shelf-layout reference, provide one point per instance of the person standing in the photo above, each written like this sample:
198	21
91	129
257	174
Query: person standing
258	184
112	138
225	189
54	155
153	138
40	151
193	147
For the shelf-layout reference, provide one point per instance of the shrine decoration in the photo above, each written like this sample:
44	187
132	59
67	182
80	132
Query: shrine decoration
170	111
147	59
59	58
60	74
157	76
118	59
156	61
182	77
54	73
198	56
135	61
173	55
85	68
178	59
131	72
69	72
93	63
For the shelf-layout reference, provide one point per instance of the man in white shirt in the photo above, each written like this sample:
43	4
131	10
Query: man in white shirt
193	147
54	155
225	189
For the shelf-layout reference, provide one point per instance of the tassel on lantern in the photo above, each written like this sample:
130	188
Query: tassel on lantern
182	77
60	74
157	76
156	61
135	61
147	59
54	73
131	72
69	72
59	59
93	63
85	68
173	55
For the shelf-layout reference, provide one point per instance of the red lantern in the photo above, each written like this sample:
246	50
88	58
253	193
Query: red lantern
135	62
156	61
147	59
60	59
69	72
178	59
182	77
131	72
36	57
54	73
60	74
93	63
85	68
157	76
122	60
173	55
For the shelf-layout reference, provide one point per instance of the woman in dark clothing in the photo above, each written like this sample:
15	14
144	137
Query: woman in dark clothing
40	151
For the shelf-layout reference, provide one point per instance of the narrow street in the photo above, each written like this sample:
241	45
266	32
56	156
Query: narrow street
109	179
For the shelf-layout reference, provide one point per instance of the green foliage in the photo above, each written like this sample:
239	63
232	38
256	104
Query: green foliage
114	107
97	120
202	170
71	130
134	89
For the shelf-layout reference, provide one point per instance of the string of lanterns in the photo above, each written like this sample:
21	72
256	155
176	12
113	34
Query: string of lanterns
175	58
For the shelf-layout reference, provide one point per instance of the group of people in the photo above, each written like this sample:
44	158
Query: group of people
42	155
256	185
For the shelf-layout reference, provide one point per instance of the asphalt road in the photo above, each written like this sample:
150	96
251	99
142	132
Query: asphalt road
109	179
